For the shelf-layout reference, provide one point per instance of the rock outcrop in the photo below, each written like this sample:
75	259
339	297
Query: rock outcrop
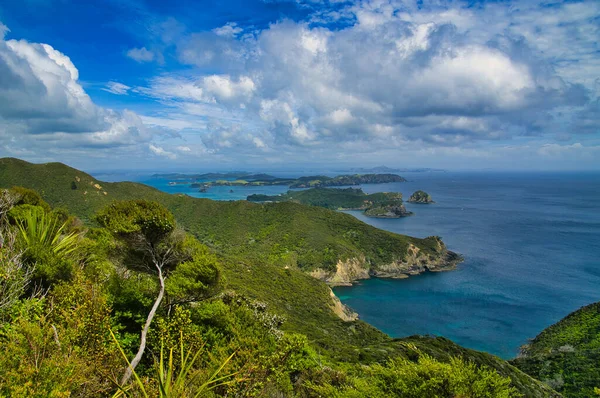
420	197
341	310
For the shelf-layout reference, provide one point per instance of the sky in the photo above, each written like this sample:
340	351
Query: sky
282	84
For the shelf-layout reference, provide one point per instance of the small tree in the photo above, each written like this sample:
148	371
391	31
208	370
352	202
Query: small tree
154	244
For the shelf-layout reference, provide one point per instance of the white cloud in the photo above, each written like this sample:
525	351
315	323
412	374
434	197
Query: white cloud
3	30
141	54
159	151
44	109
382	77
223	88
340	116
230	29
391	75
116	88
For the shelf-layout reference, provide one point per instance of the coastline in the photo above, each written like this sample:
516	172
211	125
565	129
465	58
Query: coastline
415	263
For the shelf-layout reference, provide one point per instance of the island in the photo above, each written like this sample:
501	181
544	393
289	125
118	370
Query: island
381	204
420	197
246	179
313	181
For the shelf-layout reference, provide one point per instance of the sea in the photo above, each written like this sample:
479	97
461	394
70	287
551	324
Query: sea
531	248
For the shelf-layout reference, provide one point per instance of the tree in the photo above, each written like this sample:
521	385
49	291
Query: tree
153	243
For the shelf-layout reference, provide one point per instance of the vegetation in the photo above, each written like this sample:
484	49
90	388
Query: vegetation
566	355
261	324
381	204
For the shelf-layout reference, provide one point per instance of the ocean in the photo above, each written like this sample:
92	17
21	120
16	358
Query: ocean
531	244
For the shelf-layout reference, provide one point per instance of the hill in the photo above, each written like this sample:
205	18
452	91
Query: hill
566	355
266	252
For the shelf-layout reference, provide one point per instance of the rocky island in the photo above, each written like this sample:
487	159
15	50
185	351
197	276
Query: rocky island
381	204
421	197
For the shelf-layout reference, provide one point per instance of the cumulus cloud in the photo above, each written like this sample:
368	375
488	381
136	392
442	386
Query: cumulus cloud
44	108
436	74
141	54
388	75
210	89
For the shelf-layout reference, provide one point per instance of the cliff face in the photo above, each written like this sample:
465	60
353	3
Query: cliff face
341	310
414	262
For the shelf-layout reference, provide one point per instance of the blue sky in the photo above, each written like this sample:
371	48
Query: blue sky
284	84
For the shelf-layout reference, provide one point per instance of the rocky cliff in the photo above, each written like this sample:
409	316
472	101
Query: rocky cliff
414	262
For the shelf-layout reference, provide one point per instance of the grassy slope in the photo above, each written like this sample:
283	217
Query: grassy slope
254	241
569	351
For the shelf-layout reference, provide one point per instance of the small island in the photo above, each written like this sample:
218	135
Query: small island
420	197
381	204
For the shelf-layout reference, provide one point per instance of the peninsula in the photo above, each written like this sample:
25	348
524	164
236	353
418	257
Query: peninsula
381	204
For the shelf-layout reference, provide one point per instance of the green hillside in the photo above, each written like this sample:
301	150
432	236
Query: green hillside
275	232
566	355
264	251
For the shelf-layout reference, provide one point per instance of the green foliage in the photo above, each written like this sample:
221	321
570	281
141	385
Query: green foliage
176	379
566	355
58	346
46	244
425	377
150	219
15	275
30	197
96	248
195	278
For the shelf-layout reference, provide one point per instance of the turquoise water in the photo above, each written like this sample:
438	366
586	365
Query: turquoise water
531	244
